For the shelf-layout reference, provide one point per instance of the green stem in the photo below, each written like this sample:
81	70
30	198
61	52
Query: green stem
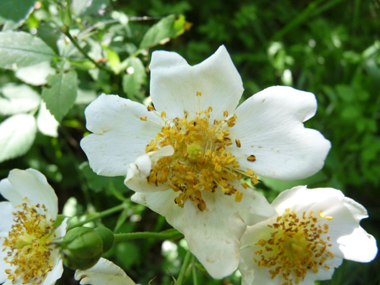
169	234
194	271
98	216
184	267
75	43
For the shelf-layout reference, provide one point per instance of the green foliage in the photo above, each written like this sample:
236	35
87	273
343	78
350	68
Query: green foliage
61	94
16	9
22	49
65	59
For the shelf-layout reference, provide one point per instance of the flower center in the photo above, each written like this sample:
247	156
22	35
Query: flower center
29	245
297	245
201	160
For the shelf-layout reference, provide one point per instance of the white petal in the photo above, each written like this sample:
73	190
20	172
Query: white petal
6	209
162	203
30	184
174	84
354	242
358	246
137	172
104	272
213	235
119	135
270	127
209	235
55	273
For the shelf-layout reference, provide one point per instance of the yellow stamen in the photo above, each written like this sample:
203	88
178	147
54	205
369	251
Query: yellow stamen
296	247
143	118
28	245
201	161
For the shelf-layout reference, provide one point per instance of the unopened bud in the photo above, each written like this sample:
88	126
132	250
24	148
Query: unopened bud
107	236
81	248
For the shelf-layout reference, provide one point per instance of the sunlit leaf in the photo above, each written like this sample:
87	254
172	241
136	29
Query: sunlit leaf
61	94
17	134
135	77
18	99
46	122
166	28
16	9
22	49
35	74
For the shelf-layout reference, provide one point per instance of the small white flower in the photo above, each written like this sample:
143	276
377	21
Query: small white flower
26	253
312	232
104	272
190	159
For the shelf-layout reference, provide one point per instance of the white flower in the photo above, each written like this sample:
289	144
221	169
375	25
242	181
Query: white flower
26	253
195	150
312	232
104	272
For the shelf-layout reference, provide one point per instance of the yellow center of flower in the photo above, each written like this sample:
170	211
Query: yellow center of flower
298	245
28	245
201	160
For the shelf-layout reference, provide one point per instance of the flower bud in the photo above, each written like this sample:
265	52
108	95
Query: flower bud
81	248
107	236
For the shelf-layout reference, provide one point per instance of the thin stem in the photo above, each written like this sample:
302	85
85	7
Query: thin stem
75	43
194	271
169	234
184	267
98	216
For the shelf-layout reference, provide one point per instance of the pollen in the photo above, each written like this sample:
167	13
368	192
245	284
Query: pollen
143	118
202	161
150	108
28	245
296	247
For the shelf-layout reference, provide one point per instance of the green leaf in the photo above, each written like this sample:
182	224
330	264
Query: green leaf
113	59
61	95
17	134
18	99
16	9
35	74
22	49
135	77
165	29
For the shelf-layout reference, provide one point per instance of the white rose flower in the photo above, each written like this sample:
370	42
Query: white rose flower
27	255
190	159
312	232
104	272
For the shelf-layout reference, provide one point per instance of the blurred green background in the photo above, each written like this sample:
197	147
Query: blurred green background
330	48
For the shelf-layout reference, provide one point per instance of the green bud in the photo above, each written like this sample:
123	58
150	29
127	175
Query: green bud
66	15
81	248
107	236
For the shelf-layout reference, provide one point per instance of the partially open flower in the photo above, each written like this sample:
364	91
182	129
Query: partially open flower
27	255
312	232
104	272
194	158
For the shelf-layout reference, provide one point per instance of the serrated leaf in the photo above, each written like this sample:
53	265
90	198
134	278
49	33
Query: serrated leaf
165	29
135	77
22	49
17	134
16	9
61	94
18	99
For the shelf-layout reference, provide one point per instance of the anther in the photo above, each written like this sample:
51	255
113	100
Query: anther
251	158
